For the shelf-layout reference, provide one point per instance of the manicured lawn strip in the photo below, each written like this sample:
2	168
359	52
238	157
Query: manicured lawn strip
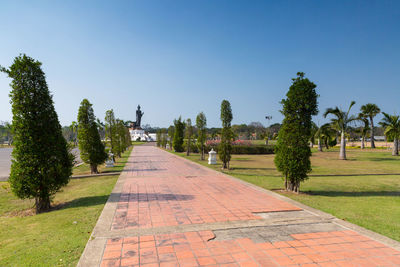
118	165
371	201
57	237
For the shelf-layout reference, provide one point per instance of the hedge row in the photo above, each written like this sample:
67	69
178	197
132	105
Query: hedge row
254	149
238	149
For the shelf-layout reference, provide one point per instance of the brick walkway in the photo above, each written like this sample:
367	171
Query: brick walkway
171	212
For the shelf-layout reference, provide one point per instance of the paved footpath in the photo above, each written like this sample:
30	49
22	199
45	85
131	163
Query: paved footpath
168	211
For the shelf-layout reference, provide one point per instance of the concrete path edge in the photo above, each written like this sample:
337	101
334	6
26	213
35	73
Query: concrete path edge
95	246
94	249
373	235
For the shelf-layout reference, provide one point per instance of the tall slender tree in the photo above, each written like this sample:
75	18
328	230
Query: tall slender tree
341	122
201	123
74	129
178	135
189	133
101	129
128	138
293	152
171	133
391	123
91	148
121	144
225	147
371	110
158	137
111	131
41	163
163	137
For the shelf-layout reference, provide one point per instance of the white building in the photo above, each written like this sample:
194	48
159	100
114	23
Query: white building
140	135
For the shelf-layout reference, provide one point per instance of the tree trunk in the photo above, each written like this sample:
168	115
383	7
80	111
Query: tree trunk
224	165
111	145
319	145
188	148
342	154
93	168
266	141
42	204
202	152
395	151
311	144
292	187
363	142
286	183
372	133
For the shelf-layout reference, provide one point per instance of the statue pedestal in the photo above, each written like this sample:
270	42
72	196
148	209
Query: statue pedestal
138	135
110	161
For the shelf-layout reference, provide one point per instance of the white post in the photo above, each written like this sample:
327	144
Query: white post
212	157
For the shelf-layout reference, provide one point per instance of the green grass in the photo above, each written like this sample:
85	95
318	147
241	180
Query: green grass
118	165
371	201
262	142
55	238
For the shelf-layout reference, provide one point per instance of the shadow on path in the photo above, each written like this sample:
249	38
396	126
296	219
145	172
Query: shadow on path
141	197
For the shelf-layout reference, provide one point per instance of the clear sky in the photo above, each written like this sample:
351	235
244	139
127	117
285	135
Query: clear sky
182	57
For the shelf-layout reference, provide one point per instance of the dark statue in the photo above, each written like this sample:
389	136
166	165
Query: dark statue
139	115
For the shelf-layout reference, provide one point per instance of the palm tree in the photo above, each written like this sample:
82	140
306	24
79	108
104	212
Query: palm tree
323	135
371	110
328	134
364	129
391	123
314	129
341	122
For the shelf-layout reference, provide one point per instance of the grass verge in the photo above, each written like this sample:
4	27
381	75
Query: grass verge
55	238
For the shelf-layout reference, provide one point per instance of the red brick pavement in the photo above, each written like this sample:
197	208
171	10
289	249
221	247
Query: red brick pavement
162	190
340	248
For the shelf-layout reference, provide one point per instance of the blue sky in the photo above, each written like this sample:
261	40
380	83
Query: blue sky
182	57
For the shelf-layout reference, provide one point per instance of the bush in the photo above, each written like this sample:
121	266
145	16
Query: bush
244	149
193	146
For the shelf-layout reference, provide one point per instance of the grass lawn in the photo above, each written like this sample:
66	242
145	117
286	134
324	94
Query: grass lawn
85	169
262	142
55	238
371	201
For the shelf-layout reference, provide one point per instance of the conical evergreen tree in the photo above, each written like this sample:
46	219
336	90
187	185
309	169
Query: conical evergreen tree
41	162
292	152
90	145
225	147
178	135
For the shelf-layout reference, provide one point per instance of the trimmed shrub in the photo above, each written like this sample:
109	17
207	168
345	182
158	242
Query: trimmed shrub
244	149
